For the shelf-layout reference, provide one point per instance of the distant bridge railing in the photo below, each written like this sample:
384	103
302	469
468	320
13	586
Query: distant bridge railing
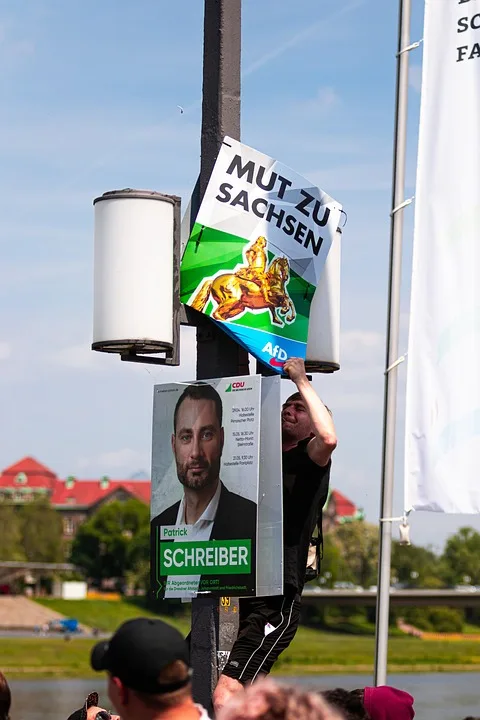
400	598
11	569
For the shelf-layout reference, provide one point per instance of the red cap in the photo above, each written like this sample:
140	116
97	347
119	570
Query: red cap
388	703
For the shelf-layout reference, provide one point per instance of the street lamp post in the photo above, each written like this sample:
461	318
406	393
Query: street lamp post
137	297
214	625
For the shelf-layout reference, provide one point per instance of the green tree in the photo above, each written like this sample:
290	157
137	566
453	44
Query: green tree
101	547
461	557
42	532
358	543
138	560
10	534
333	566
416	566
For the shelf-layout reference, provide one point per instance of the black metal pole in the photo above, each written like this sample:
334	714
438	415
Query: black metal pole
213	626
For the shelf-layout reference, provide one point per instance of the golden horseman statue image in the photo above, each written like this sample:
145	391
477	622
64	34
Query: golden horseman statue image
250	287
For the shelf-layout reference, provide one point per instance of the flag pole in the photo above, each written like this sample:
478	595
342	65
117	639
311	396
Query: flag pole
393	322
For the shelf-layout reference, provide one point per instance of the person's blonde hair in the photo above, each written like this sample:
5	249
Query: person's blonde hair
266	700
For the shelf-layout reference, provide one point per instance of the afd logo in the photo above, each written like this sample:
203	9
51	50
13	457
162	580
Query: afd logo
277	354
238	385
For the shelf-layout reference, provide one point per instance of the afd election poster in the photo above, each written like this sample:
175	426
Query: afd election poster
205	487
256	252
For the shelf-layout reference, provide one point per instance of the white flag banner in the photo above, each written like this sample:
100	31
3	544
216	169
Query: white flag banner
442	449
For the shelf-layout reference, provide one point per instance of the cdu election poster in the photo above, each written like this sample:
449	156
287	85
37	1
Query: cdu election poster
205	480
256	252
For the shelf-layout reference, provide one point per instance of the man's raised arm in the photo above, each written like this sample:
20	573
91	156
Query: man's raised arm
320	448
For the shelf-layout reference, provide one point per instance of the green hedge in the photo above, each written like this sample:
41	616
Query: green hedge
435	619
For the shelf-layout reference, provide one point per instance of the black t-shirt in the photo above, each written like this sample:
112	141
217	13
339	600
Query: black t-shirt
305	490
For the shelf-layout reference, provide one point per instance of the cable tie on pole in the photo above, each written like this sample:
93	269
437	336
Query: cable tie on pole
404	527
397	362
393	519
413	46
405	530
402	205
405	533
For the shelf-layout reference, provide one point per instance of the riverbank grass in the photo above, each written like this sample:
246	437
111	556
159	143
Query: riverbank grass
312	652
105	615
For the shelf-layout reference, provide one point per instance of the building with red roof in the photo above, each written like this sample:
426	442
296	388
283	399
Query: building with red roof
28	480
339	510
76	499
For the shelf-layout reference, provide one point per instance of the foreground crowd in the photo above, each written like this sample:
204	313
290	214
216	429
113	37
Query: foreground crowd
149	678
147	661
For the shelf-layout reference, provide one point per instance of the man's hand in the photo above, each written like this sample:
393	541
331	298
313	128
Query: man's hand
295	369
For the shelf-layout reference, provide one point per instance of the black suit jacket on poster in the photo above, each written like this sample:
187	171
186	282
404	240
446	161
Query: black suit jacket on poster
236	519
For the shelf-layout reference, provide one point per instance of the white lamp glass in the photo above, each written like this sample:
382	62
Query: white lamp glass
133	271
323	345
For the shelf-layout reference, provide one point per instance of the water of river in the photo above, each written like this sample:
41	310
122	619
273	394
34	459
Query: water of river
438	696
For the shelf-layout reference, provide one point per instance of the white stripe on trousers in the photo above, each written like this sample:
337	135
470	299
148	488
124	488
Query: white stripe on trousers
265	637
276	641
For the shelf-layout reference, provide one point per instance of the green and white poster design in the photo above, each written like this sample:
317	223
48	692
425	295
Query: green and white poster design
205	486
256	252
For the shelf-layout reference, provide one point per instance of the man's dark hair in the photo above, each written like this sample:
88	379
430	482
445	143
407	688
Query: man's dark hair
292	398
350	703
298	396
201	391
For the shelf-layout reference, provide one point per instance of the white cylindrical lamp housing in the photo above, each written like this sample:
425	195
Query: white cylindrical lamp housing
323	344
134	271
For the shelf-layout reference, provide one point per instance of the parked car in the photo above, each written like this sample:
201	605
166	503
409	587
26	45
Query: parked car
344	585
465	588
67	625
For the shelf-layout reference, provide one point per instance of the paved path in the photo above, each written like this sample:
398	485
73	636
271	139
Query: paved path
20	613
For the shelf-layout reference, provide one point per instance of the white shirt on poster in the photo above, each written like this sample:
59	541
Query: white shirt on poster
200	530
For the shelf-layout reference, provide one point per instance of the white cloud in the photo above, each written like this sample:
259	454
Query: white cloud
356	401
358	344
12	49
114	463
354	482
358	385
80	356
61	137
5	350
366	176
15	276
317	29
324	101
77	357
327	96
415	77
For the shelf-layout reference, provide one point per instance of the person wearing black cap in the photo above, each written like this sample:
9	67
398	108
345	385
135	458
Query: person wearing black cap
149	674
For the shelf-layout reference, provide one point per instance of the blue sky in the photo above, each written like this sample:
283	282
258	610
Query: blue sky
89	103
